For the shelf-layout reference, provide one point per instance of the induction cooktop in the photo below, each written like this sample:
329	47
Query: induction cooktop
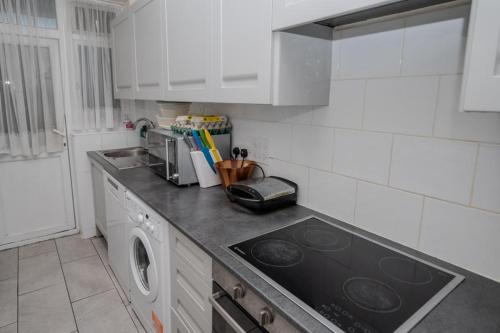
348	282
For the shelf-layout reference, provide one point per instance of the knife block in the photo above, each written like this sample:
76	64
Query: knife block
205	174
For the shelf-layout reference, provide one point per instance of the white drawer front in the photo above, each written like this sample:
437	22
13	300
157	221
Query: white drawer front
192	255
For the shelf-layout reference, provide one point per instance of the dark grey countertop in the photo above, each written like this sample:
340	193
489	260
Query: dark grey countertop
208	218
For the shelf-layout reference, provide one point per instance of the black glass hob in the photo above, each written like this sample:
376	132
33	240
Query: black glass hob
346	281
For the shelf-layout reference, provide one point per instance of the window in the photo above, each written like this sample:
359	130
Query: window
91	29
24	12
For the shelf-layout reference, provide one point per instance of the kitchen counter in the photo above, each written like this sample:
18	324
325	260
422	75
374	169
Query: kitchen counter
208	218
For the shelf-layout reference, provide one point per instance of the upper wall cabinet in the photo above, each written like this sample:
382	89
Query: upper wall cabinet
481	80
291	13
189	50
220	51
243	43
148	48
122	51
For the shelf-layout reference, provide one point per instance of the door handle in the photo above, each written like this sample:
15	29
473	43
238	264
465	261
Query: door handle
223	313
58	132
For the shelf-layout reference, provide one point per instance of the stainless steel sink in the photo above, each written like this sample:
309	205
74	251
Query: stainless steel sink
126	158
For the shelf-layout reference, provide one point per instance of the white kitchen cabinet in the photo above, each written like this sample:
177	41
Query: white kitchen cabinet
123	59
191	285
242	53
481	79
148	47
97	173
117	230
189	50
292	13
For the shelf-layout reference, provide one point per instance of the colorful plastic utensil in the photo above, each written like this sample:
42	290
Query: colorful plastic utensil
204	150
213	148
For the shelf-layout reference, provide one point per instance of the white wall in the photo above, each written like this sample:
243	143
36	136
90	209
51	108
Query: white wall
391	153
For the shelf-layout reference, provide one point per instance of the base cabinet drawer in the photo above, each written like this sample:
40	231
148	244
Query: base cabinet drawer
183	322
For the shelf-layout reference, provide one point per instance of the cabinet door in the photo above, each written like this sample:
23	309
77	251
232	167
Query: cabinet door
122	57
243	49
189	39
481	82
148	25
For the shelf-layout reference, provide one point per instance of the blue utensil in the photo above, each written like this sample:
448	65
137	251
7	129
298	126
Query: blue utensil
204	150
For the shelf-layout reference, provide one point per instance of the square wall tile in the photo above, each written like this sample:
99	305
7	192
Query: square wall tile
435	42
295	114
82	143
114	140
435	167
296	173
454	124
346	105
464	236
390	213
372	50
486	192
364	155
332	194
335	65
312	146
401	105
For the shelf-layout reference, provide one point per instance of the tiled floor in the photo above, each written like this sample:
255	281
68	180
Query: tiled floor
62	286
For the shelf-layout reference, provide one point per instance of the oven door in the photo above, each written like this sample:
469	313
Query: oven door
229	317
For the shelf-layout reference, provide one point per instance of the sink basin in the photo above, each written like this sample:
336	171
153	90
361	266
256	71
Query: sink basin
126	158
127	152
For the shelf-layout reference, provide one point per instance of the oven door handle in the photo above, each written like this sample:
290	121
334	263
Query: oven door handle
223	313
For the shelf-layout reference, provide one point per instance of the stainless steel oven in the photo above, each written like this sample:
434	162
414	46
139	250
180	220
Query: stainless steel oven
236	308
228	316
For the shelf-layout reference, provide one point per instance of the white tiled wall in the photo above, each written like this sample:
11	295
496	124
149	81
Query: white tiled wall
392	153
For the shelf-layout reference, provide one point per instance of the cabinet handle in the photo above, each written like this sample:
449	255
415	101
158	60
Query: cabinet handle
223	313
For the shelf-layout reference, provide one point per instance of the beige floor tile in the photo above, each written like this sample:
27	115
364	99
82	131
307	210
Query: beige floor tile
12	328
102	248
46	310
86	277
103	313
36	249
8	302
136	320
74	247
117	285
39	272
8	264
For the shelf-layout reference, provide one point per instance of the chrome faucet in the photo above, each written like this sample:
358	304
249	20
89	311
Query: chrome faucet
148	122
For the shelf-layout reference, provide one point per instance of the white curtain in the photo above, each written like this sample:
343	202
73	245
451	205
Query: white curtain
27	98
91	34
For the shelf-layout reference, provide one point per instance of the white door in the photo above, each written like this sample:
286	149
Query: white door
481	81
123	58
189	39
35	192
148	22
243	42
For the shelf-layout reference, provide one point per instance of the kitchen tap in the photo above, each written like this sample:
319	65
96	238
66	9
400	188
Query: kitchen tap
149	122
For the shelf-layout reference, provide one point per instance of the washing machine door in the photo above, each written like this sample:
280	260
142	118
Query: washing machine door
143	264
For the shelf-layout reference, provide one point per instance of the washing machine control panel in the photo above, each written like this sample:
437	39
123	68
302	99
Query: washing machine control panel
144	217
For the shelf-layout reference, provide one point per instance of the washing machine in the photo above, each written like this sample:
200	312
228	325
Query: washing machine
149	267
